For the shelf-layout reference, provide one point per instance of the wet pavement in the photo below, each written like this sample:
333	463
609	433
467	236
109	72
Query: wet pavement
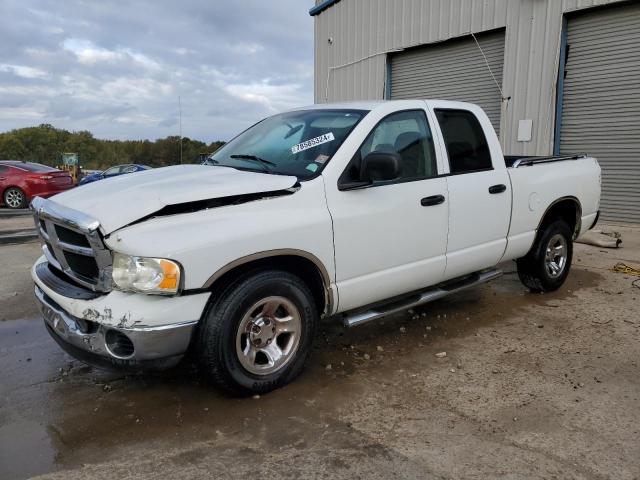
532	386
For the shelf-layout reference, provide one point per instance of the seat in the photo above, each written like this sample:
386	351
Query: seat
461	156
409	146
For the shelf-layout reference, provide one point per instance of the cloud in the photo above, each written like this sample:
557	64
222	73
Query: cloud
117	68
22	71
273	98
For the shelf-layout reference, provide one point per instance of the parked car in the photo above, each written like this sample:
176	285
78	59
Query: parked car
113	172
21	181
350	211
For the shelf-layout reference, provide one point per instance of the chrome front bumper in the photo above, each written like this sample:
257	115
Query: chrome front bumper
154	347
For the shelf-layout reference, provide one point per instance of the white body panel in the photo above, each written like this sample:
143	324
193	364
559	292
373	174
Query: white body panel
123	199
206	241
385	242
537	187
478	220
370	244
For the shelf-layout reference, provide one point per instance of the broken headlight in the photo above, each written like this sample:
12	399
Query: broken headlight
146	275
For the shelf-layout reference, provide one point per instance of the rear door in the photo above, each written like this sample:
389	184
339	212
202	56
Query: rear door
479	189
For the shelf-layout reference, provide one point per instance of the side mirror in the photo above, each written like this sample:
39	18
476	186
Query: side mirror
380	167
374	168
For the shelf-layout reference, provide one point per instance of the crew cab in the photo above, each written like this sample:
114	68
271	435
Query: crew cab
349	211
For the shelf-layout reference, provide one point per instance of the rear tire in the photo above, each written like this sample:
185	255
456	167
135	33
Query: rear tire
546	267
14	198
256	335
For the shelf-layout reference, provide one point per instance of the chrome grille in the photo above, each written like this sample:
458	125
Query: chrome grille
72	243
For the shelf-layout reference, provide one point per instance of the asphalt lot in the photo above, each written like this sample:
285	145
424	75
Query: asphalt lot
532	386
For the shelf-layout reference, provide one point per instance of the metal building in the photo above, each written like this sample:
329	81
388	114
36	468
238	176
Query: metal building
554	76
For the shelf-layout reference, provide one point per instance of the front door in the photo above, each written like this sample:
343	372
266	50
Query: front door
391	238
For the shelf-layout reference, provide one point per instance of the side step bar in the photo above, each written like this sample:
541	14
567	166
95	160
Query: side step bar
433	293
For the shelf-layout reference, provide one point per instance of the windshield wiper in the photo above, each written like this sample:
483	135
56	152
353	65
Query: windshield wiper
266	163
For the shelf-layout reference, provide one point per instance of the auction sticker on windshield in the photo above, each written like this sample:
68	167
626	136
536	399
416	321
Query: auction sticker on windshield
314	142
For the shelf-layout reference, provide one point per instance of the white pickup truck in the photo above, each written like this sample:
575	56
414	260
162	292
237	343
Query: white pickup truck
347	210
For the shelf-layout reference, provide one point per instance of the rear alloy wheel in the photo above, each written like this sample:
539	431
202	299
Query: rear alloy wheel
257	333
546	266
15	198
555	257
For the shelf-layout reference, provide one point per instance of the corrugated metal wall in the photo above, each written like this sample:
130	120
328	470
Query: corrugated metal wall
453	70
363	31
601	107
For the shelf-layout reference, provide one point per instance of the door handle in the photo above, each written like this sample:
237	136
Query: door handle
497	188
432	200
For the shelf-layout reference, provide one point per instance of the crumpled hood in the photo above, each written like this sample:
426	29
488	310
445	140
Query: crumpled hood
119	201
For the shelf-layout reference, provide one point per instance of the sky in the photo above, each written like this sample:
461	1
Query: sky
117	68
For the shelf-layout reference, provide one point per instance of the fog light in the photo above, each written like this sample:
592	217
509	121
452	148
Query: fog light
118	344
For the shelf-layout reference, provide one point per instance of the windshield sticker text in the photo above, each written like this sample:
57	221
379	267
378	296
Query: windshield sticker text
314	142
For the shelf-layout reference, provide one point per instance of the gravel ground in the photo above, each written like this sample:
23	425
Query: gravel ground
532	386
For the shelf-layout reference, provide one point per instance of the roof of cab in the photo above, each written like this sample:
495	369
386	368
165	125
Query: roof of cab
355	105
372	104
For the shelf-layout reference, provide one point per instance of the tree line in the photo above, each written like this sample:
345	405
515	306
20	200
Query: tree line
45	144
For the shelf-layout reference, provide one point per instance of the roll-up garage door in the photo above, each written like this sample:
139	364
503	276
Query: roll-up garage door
453	70
601	103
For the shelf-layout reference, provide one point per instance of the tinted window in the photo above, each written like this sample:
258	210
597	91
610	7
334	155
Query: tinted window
406	133
464	138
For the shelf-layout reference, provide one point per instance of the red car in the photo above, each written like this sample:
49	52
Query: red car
21	181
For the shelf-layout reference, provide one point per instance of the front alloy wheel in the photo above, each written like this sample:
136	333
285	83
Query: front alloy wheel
256	334
268	335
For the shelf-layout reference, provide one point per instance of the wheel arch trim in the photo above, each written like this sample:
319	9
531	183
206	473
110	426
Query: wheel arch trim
290	252
578	224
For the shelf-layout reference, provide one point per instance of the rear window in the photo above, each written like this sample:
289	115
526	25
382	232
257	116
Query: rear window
464	138
34	167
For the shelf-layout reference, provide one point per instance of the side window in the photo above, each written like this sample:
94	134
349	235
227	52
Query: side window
406	133
466	143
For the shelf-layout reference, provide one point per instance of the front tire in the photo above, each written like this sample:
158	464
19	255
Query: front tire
256	335
15	198
547	265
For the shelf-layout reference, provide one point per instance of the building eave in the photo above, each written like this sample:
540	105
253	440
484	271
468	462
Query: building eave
321	7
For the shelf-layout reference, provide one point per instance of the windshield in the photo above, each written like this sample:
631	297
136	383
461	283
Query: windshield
294	143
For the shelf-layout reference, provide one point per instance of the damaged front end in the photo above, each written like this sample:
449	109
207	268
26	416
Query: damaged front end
130	348
86	316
